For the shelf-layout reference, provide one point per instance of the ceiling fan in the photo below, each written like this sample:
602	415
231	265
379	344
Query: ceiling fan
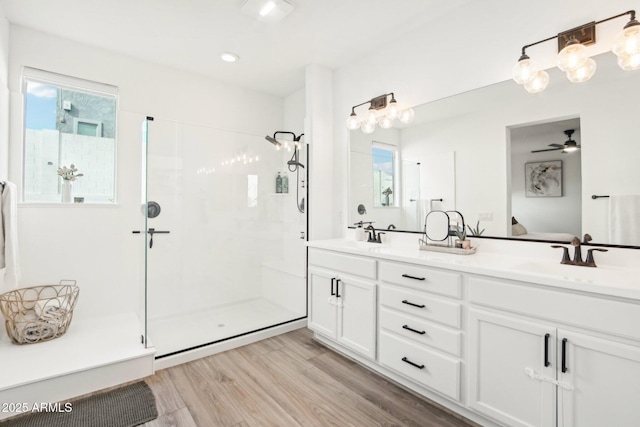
569	145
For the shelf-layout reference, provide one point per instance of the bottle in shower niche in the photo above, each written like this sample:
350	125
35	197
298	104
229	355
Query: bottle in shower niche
279	183
285	183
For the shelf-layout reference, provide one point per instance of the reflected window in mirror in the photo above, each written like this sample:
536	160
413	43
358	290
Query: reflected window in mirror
68	121
384	159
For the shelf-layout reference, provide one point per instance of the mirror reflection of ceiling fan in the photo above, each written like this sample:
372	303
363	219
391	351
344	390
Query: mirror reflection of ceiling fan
569	146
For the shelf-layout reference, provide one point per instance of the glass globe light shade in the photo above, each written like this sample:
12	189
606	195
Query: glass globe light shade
539	82
371	116
572	56
353	122
525	70
629	62
385	122
392	109
367	127
627	41
406	116
583	73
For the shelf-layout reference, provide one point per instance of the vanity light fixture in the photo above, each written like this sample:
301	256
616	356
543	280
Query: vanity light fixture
572	56
380	112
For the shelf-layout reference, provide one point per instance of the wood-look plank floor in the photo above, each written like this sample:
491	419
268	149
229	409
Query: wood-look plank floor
287	380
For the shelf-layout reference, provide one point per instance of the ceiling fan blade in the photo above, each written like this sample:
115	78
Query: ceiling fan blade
548	149
556	145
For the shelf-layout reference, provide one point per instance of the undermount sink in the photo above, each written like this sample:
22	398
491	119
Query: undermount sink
574	272
362	245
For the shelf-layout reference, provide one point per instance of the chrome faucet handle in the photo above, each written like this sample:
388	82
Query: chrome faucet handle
565	254
590	262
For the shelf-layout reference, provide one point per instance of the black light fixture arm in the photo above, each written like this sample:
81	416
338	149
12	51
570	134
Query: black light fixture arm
632	17
295	138
376	103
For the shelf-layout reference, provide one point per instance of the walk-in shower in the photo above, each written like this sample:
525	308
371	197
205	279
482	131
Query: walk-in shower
233	261
294	163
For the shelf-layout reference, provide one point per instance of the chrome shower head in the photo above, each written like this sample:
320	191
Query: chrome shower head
273	141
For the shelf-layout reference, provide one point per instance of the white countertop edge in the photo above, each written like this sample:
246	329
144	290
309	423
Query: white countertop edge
620	282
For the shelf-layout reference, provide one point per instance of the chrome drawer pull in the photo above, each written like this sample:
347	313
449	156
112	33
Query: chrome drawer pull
413	330
404	301
413	277
404	359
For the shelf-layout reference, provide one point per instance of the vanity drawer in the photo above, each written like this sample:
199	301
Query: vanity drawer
591	312
351	264
423	278
420	304
420	330
433	370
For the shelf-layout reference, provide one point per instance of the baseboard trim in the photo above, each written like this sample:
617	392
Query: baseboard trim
198	353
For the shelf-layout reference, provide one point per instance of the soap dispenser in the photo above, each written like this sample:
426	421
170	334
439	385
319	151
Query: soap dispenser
279	183
285	183
360	233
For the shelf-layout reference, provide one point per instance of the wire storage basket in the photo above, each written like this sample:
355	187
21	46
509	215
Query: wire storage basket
39	313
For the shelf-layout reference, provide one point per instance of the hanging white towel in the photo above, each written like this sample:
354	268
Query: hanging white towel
9	237
624	220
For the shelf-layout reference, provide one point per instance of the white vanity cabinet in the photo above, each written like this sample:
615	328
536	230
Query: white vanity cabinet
343	299
529	366
419	330
498	343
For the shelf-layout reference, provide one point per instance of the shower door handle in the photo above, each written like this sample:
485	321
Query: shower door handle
151	232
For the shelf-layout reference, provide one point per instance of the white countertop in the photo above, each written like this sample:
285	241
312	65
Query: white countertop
604	280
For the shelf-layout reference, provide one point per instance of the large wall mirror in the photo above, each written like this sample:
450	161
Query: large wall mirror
496	155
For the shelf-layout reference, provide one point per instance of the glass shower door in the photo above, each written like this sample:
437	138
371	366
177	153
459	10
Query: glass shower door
224	249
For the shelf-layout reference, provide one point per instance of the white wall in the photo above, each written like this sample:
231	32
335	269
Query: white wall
4	95
94	244
323	218
422	68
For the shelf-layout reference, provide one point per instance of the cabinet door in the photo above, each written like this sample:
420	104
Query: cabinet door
503	349
357	319
605	377
322	304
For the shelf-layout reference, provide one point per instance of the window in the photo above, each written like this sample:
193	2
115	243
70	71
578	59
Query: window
384	172
68	121
87	127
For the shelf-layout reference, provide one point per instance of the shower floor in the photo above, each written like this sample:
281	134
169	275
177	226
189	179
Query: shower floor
175	333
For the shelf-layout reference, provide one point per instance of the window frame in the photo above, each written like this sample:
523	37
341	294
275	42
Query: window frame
76	84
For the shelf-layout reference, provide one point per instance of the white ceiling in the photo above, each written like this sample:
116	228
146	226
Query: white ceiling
191	34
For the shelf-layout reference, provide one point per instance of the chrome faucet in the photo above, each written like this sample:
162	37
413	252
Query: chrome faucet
577	253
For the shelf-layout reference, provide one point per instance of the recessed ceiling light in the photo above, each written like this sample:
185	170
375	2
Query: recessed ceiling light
268	7
267	10
229	57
